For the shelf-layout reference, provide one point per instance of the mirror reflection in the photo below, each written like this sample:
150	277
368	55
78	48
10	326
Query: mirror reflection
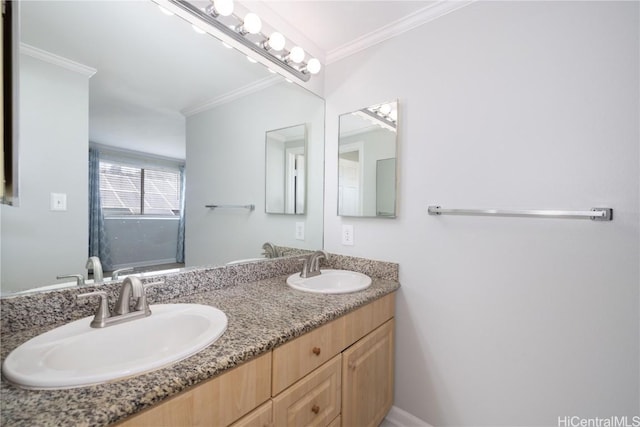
178	121
285	167
367	159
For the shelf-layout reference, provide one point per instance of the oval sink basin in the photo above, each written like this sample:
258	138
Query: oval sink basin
330	282
76	354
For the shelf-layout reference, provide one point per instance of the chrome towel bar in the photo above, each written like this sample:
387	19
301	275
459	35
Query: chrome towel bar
596	214
250	207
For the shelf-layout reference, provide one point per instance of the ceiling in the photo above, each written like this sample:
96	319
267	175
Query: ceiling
331	25
153	69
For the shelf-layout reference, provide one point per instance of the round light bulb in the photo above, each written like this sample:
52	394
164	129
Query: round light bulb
276	41
313	66
223	7
252	23
385	109
296	54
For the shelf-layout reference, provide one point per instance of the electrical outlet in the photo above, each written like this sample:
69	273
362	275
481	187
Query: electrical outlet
58	202
347	235
299	230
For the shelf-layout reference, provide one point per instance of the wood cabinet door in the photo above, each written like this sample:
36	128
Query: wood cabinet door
367	378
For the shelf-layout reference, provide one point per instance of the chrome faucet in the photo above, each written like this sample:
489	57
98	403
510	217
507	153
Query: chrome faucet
311	264
93	263
79	278
131	287
270	251
115	275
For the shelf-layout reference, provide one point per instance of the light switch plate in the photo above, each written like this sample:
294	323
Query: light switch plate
299	230
58	202
347	235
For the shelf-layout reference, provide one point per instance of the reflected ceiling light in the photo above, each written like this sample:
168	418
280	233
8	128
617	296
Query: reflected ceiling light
165	11
219	15
198	29
250	59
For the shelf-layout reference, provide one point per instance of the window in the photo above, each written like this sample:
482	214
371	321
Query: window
129	190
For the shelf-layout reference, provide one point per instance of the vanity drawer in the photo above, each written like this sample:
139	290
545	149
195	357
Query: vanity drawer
297	358
313	401
261	417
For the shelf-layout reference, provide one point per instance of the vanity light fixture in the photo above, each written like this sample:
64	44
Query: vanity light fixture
248	32
383	115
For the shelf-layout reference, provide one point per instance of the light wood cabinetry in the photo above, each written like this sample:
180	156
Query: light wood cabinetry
297	358
340	373
261	417
312	401
367	378
218	402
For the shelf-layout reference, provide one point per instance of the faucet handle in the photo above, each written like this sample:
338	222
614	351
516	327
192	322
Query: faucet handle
79	278
102	313
115	275
142	304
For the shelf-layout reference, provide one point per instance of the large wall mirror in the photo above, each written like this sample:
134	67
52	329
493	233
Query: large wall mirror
169	104
367	161
285	170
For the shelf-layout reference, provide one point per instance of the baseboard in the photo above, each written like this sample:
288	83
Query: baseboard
401	418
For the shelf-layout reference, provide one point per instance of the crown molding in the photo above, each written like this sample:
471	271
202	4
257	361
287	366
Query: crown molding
395	28
58	60
232	95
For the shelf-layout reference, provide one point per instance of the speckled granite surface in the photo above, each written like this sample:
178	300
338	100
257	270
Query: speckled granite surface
263	313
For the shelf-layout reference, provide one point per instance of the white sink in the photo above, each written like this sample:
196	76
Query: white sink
330	282
76	354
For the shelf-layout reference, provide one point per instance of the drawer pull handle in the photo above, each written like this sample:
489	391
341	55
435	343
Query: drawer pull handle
316	351
315	409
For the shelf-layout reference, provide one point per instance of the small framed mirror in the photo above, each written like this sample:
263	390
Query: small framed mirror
367	161
285	170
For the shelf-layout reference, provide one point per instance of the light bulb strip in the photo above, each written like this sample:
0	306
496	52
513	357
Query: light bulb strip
384	119
236	36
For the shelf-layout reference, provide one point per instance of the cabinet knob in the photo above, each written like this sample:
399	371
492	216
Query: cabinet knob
352	366
316	351
315	409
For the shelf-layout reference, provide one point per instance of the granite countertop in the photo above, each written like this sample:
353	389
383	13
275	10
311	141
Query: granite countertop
262	315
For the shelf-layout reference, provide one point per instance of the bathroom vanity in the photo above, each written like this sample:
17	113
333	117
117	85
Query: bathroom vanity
341	370
287	358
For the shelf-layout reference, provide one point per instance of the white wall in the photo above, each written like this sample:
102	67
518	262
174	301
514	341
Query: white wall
54	129
216	139
508	321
